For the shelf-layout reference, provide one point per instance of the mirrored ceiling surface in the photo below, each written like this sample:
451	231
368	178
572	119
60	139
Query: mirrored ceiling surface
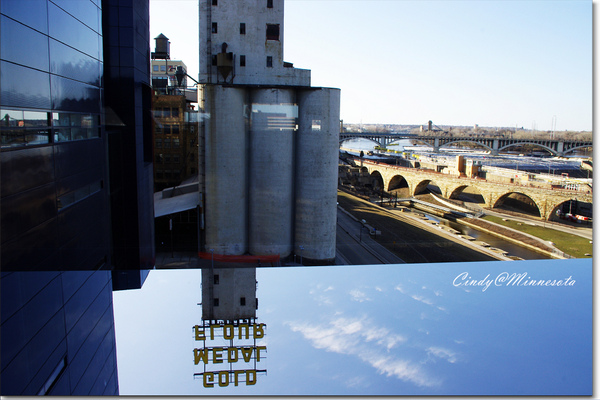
493	328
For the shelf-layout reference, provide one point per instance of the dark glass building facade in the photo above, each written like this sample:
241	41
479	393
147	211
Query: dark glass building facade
76	204
58	334
53	160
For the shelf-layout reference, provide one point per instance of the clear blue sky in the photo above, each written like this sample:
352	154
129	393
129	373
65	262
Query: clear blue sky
486	62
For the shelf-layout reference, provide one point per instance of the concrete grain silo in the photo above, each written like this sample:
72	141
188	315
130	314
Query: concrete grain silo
271	174
270	181
317	143
225	164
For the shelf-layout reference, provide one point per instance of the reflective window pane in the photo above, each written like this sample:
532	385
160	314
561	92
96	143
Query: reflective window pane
35	118
23	137
30	12
31	90
23	45
74	96
68	62
84	11
23	119
62	25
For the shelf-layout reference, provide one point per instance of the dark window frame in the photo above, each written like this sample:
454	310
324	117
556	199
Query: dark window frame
273	32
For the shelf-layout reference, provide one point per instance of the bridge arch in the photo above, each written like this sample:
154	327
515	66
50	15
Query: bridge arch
376	180
377	143
545	200
466	140
473	193
422	141
424	184
513	198
519	144
398	182
572	149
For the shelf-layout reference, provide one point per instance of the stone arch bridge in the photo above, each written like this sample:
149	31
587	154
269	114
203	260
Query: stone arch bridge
546	200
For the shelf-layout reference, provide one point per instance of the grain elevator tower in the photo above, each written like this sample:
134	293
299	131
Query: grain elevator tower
269	141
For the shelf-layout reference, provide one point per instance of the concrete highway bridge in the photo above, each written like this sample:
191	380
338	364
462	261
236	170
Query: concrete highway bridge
395	177
557	147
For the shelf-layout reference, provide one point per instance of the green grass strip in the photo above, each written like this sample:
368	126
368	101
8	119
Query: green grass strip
573	245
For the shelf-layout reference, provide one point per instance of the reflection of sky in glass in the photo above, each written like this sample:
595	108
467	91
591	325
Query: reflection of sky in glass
377	330
290	110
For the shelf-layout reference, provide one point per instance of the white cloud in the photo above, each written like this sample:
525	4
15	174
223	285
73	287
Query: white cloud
422	299
444	354
403	370
400	289
369	343
358	295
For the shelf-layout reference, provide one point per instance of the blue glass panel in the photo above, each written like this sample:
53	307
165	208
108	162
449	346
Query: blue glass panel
20	377
71	95
44	351
23	87
23	326
70	31
104	376
87	336
72	281
23	170
104	349
83	10
49	372
125	16
70	63
18	288
23	45
27	210
77	305
32	13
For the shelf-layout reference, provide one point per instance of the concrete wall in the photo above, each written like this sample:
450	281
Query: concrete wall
233	284
270	187
316	173
226	162
271	171
228	15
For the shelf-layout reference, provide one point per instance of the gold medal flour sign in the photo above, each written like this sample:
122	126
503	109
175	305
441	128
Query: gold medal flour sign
233	356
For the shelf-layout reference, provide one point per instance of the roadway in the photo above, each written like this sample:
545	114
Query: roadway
355	246
401	236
